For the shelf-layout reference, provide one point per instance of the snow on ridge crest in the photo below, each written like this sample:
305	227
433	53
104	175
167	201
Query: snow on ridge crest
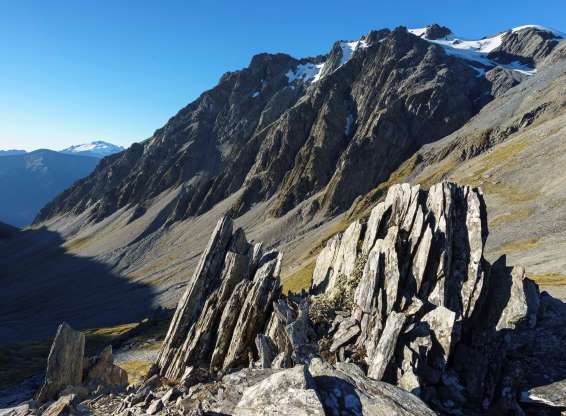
312	73
477	50
348	49
556	33
308	72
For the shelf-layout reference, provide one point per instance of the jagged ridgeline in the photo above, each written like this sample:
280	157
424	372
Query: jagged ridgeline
406	295
294	128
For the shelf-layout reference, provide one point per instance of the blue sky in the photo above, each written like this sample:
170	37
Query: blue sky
73	71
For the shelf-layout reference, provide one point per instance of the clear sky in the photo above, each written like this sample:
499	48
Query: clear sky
76	70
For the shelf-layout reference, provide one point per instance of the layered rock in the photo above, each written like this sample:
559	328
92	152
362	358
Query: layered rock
224	308
425	292
101	371
71	377
404	310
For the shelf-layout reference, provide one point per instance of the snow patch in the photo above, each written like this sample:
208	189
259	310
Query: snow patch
556	33
255	94
348	49
305	73
421	31
477	50
97	149
520	67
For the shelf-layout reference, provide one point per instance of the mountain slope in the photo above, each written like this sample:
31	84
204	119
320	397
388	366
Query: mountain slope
292	128
28	181
514	149
285	146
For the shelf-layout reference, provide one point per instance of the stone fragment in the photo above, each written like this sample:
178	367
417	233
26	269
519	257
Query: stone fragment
282	360
228	322
288	392
377	363
553	394
64	364
253	313
514	299
171	395
265	350
62	407
347	330
104	373
324	268
155	407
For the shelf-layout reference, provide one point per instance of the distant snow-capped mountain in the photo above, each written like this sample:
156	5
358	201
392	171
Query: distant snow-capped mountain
97	149
12	152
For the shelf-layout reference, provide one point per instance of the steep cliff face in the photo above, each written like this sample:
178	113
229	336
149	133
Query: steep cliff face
289	128
514	149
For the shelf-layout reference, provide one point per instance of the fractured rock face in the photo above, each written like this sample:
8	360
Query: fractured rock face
204	280
224	308
426	289
103	372
423	310
64	364
514	299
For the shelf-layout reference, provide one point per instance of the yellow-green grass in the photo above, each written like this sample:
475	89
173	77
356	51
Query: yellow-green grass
440	172
506	218
299	280
136	369
23	360
518	245
549	279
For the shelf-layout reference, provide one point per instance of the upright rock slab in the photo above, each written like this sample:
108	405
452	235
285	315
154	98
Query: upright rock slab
64	364
224	309
204	281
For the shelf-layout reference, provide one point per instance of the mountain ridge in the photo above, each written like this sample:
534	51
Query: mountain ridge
286	163
279	89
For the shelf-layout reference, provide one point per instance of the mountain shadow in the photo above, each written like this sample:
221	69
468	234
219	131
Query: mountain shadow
42	285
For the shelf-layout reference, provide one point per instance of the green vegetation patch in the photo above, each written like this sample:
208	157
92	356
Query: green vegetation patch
506	218
519	245
137	369
299	280
549	279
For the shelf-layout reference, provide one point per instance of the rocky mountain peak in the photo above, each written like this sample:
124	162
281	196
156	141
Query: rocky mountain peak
435	31
290	129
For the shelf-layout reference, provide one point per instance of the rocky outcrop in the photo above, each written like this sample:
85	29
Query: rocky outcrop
225	307
426	294
344	389
404	310
101	371
288	392
71	378
553	395
64	364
